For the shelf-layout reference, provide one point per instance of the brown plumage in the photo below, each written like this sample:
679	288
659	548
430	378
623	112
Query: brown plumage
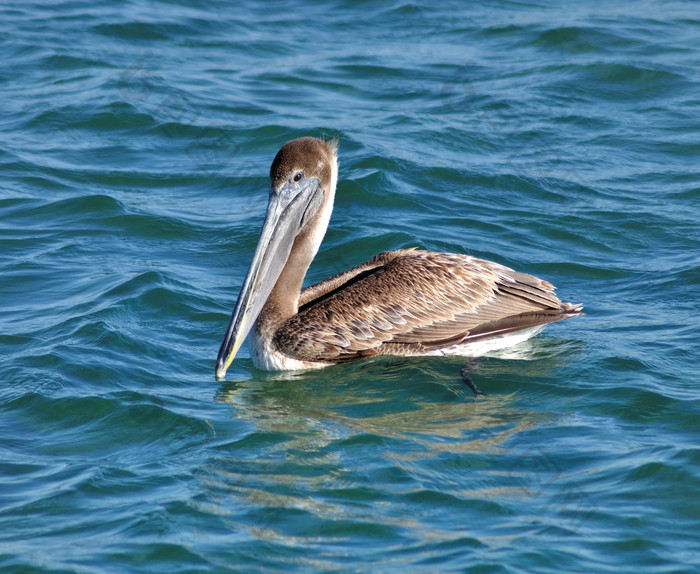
410	302
406	302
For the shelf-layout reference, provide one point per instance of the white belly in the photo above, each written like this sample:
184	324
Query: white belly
489	345
266	358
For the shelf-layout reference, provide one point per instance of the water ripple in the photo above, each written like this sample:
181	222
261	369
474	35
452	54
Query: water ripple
135	148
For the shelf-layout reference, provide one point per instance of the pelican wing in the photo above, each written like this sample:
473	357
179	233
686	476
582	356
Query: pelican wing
404	302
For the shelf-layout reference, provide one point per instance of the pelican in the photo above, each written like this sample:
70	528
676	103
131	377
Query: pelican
407	302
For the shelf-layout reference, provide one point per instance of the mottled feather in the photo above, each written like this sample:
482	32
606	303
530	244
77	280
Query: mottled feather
404	302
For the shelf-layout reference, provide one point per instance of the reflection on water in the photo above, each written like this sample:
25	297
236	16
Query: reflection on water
386	400
350	446
423	400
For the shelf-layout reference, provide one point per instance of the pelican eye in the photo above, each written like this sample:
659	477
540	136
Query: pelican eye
297	176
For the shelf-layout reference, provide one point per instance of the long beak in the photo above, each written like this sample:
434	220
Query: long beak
285	216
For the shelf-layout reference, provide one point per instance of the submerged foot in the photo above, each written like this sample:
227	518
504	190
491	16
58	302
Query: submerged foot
465	373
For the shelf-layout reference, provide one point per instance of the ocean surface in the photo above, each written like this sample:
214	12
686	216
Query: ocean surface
560	139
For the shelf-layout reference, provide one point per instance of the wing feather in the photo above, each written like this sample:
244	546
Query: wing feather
415	299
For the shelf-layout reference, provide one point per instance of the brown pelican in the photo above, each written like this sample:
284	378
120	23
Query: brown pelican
405	302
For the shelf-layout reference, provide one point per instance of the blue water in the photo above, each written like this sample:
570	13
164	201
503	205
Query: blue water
135	139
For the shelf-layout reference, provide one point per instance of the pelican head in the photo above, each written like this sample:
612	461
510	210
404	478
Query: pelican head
303	176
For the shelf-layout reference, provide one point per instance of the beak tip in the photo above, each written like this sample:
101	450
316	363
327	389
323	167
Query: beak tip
220	371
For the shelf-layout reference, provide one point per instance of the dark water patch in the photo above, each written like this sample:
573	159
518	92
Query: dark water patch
12	205
353	496
354	530
583	122
115	116
626	82
355	70
138	286
135	554
67	62
509	30
144	225
435	501
138	31
83	424
252	443
60	213
578	40
42	182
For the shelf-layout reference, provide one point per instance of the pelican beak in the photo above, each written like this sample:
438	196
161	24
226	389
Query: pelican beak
288	211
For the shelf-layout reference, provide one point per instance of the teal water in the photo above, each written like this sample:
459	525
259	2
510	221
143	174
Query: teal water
135	139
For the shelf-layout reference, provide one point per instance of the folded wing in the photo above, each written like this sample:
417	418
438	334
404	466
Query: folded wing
409	301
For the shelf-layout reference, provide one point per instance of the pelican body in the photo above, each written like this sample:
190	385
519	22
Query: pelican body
406	302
